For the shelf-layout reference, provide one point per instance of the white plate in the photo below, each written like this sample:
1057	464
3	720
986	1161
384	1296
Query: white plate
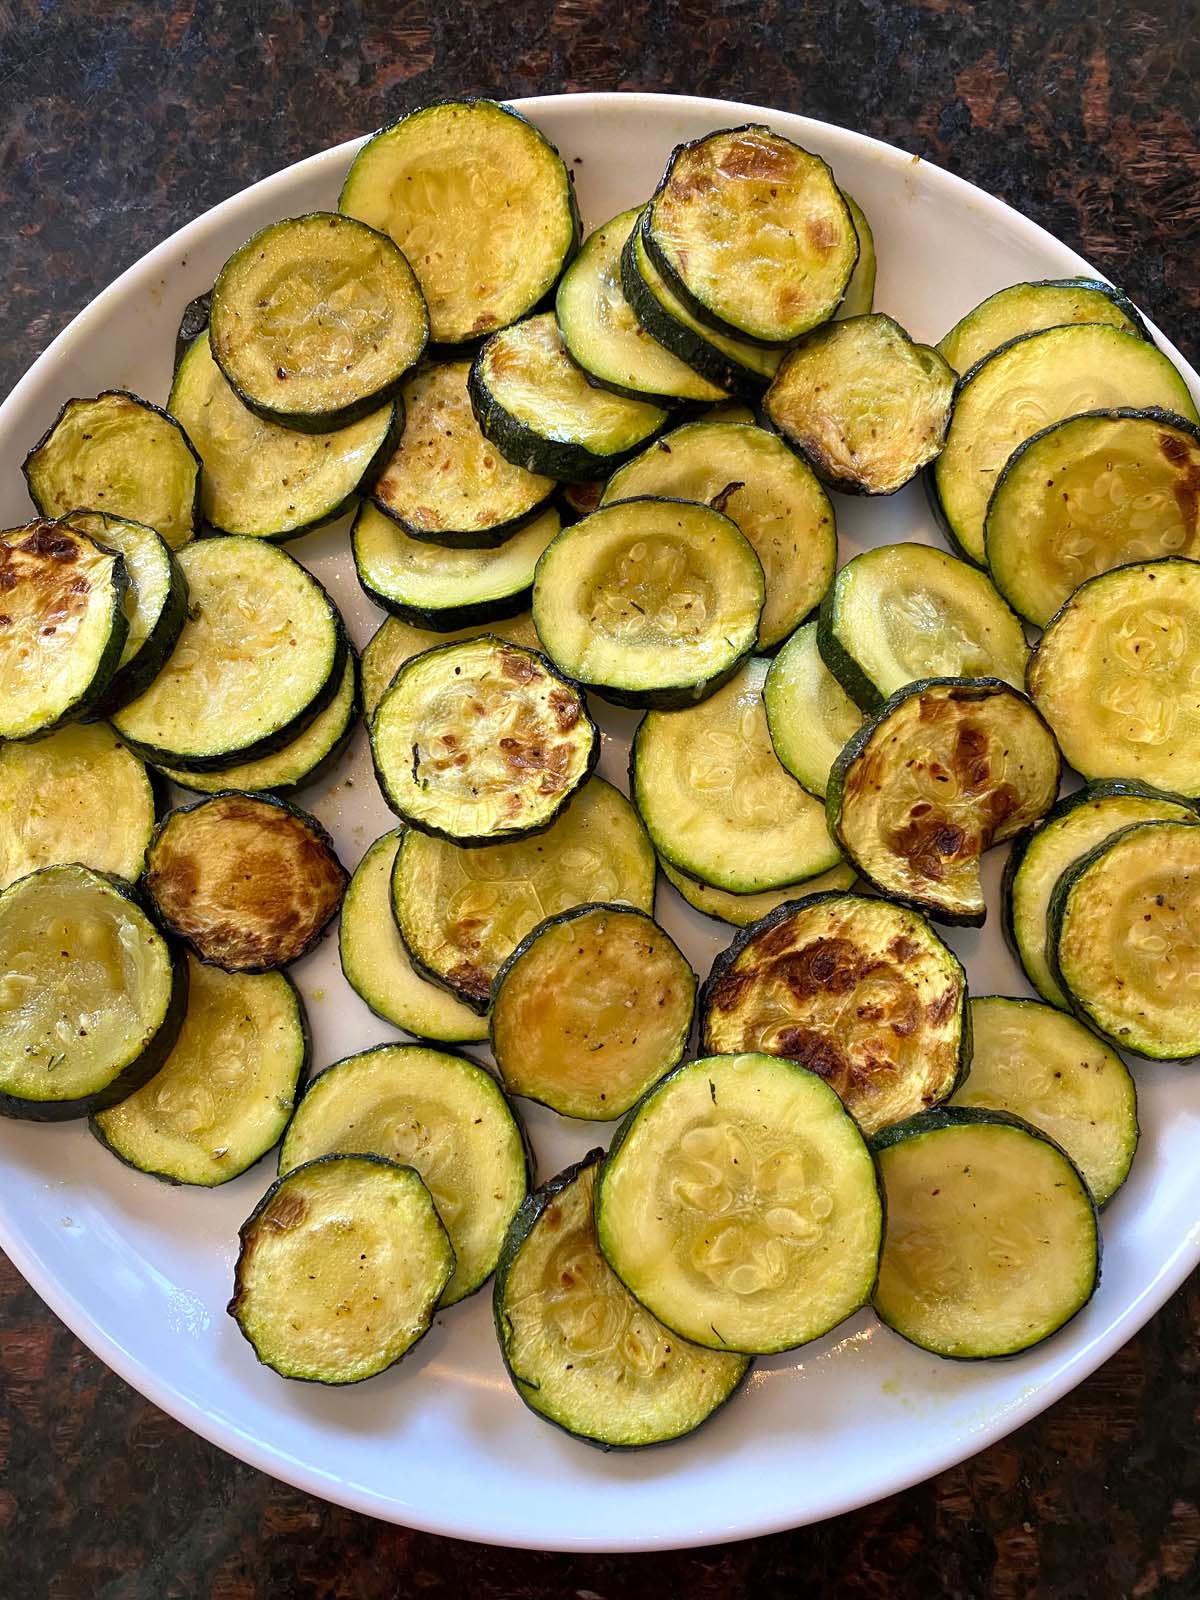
141	1272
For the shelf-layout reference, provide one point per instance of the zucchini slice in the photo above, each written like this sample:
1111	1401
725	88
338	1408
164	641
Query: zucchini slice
992	1240
860	991
592	1007
268	482
1031	308
1121	935
481	741
579	1349
248	880
1053	1072
752	233
91	997
442	589
315	321
63	627
901	612
463	912
1117	675
480	203
440	1114
604	337
809	715
342	1264
739	1203
78	795
716	801
120	454
649	602
395	642
577	500
859	298
776	501
540	411
947	768
1038	859
1089	494
1027	385
740	910
192	324
864	403
376	965
224	1095
262	653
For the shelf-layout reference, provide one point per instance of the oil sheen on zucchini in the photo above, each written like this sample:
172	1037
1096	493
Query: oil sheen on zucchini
738	1202
741	910
394	642
1030	308
809	715
579	1348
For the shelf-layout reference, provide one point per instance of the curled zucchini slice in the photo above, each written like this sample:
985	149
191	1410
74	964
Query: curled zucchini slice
590	1009
91	997
809	715
864	403
858	990
859	298
192	323
394	642
579	1348
738	1202
341	1268
248	880
742	909
1031	308
992	1239
946	769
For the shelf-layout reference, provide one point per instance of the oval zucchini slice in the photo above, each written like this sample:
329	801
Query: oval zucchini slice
341	1268
395	642
858	990
224	1095
738	1202
579	1349
992	1239
741	910
809	715
859	298
440	1114
1032	307
91	997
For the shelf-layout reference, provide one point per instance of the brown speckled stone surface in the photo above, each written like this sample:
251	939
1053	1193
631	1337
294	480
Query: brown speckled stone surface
119	121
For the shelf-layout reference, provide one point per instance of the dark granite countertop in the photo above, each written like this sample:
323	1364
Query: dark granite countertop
119	121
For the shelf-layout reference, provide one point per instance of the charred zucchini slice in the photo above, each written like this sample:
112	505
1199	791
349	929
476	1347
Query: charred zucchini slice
716	801
63	627
463	912
752	233
119	454
1047	1068
864	403
248	880
742	909
859	298
751	476
341	1268
91	997
394	642
992	1240
946	769
480	203
1031	308
590	1009
809	715
579	1348
192	323
858	990
223	1096
738	1202
315	321
440	1114
481	741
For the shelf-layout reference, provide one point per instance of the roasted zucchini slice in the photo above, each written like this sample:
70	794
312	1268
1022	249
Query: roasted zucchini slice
592	1007
119	454
224	1095
480	203
716	801
342	1264
579	1349
248	880
63	627
1031	308
91	997
946	769
394	642
809	715
858	990
463	912
441	1114
192	323
752	233
992	1240
863	403
859	298
738	1202
742	909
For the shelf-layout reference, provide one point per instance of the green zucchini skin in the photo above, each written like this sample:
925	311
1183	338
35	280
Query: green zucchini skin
839	661
136	676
